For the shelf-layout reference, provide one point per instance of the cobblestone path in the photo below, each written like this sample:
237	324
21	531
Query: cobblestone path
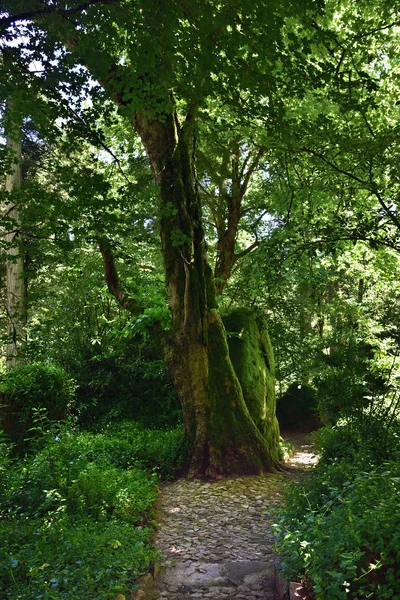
216	538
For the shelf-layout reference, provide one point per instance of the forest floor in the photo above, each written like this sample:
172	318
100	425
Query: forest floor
216	538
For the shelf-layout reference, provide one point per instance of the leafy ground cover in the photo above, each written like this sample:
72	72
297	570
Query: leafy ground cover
340	529
77	515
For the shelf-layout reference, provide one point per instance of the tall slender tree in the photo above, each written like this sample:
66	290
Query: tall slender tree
16	282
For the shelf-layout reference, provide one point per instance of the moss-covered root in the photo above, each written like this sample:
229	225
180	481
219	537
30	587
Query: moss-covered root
228	440
252	357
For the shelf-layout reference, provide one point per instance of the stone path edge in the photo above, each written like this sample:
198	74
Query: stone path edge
285	590
146	584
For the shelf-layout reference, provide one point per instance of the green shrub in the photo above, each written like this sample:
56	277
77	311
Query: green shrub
77	516
130	384
60	559
286	449
27	389
164	450
76	519
340	531
101	492
364	439
78	474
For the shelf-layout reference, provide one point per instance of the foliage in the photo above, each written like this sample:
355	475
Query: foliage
166	451
27	389
5	458
61	560
308	97
366	439
77	516
286	449
129	383
339	528
340	532
75	473
117	369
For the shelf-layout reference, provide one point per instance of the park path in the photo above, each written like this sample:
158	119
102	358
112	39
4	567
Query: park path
216	538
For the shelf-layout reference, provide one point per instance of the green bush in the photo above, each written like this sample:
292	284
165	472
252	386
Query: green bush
129	384
365	439
27	389
60	559
100	491
340	528
164	450
81	473
76	518
340	531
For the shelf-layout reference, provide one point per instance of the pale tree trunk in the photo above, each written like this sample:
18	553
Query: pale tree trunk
16	284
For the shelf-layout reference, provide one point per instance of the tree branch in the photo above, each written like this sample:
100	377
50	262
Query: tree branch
251	170
113	281
370	186
247	250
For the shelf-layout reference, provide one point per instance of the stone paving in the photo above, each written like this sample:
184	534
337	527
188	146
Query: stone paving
216	538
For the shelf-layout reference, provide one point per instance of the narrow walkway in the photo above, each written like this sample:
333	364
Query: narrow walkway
216	538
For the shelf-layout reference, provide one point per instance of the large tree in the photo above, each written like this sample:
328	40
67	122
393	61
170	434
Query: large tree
161	63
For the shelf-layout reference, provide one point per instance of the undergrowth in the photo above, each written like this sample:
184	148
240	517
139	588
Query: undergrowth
77	512
340	528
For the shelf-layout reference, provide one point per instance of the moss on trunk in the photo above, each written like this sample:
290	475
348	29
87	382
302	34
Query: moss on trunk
224	436
252	357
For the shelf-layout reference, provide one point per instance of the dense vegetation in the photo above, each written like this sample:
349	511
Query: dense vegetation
77	513
179	178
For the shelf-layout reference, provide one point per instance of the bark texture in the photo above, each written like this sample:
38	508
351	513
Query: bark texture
16	284
252	357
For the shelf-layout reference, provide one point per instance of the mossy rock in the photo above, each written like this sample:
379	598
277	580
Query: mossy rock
252	356
297	406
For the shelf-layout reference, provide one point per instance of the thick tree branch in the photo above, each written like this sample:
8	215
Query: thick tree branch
247	250
115	287
113	281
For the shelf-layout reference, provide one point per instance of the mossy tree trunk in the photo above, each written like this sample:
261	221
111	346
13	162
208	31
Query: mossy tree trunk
225	438
252	357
